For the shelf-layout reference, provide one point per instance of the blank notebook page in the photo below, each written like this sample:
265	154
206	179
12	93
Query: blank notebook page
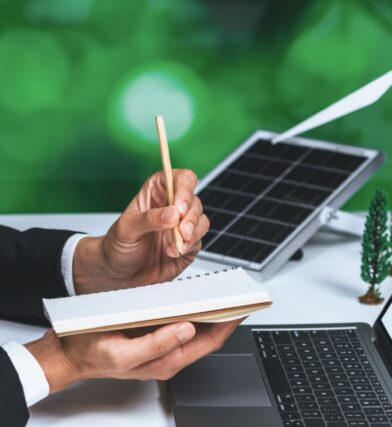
201	293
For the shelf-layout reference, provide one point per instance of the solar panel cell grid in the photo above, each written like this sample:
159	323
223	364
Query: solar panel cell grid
279	211
240	248
337	161
238	182
312	176
260	230
278	151
298	194
266	193
270	168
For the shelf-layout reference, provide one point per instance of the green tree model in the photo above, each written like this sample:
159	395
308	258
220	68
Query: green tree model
376	248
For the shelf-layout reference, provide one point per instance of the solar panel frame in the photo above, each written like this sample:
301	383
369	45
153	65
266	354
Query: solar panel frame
304	231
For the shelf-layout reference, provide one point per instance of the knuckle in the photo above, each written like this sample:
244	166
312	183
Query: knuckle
149	217
197	205
199	202
190	175
193	217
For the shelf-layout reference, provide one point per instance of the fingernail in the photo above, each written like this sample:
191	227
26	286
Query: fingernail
188	229
183	207
168	215
184	332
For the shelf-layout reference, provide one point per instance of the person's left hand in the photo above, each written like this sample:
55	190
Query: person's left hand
139	248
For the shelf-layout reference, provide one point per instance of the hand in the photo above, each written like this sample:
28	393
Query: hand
139	248
127	355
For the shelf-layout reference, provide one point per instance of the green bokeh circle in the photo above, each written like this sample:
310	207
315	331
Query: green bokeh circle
33	71
163	88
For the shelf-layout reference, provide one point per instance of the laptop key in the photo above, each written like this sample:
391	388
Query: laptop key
378	419
355	416
347	399
337	424
344	392
337	377
374	411
324	393
307	406
281	337
370	403
353	407
302	390
366	395
327	401
315	422
276	376
290	416
358	424
340	384
296	375
284	398
330	410
333	417
305	398
288	407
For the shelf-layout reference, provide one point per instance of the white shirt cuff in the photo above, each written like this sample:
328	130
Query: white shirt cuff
34	383
67	261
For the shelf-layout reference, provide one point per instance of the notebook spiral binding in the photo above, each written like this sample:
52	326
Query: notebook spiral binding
208	273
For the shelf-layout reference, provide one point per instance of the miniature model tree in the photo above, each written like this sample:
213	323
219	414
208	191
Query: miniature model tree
376	248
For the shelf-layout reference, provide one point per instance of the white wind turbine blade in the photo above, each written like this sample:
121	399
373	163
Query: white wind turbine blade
361	98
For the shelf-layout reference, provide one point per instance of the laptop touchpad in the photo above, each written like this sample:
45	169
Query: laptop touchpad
221	380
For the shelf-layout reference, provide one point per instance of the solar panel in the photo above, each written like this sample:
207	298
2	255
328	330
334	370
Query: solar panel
264	201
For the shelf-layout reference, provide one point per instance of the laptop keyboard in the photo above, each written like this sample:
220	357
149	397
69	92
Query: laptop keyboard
322	378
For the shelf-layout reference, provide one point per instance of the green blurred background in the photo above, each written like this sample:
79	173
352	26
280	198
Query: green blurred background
81	81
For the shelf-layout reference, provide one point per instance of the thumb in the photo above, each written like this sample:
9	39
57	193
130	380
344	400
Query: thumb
159	219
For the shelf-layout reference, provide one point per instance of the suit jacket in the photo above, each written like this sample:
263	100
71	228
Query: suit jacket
30	269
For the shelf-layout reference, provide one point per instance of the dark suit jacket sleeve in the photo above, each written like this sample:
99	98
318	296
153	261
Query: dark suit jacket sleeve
13	408
30	269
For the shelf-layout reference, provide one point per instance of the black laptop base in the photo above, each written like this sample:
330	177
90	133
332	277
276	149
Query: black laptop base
313	376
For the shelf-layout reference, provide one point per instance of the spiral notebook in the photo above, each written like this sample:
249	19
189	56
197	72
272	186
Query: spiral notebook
207	297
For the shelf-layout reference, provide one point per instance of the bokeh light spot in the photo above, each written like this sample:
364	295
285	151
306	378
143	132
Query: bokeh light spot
167	89
157	93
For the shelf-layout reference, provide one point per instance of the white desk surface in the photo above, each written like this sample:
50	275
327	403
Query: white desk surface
321	288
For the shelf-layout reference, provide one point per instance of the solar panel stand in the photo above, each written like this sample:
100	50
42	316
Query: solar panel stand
297	255
340	222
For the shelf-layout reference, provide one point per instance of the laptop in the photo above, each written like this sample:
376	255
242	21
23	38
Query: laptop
331	375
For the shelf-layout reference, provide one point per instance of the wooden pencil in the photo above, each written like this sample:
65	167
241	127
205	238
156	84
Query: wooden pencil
168	174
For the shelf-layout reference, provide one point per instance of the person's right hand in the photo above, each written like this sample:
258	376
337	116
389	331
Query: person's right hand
127	355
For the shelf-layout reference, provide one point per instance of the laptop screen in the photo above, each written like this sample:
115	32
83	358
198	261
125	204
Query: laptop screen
383	331
386	320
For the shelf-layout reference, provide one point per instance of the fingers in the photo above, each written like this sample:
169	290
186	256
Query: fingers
200	231
193	245
135	224
155	345
210	338
191	219
184	181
